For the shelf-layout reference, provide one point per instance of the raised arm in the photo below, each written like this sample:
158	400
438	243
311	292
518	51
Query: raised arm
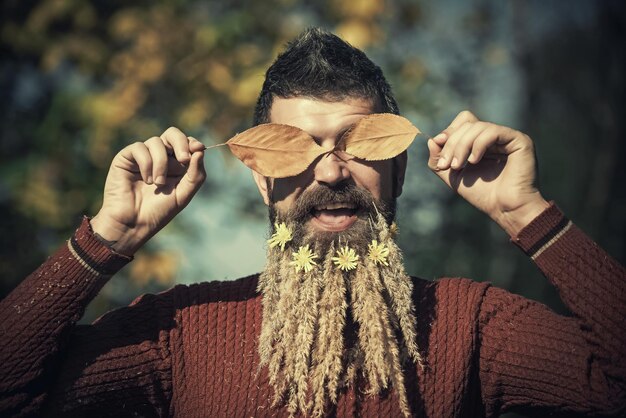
530	357
37	320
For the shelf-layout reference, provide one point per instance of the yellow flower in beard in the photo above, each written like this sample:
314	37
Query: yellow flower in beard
378	252
346	258
281	237
303	259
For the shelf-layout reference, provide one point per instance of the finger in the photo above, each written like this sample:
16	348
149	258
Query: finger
179	142
434	150
138	155
440	139
194	177
463	117
158	152
196	172
484	140
447	153
500	140
195	145
464	144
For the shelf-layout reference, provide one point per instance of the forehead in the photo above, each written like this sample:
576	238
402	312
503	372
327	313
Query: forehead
320	118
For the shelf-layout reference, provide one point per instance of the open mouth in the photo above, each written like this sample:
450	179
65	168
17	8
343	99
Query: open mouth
336	216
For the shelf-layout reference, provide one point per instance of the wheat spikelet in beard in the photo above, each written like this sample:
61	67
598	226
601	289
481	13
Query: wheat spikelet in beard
399	287
369	312
268	286
285	327
297	360
392	349
328	350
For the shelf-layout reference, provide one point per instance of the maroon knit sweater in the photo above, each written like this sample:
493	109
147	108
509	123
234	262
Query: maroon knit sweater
191	351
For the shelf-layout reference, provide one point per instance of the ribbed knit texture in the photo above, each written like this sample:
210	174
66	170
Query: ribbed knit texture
191	351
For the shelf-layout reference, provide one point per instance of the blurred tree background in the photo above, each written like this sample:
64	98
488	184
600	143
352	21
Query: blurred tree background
81	79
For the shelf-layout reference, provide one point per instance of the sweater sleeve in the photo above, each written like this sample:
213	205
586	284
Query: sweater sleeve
50	366
532	359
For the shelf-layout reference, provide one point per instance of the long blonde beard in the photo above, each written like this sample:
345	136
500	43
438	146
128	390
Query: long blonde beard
304	317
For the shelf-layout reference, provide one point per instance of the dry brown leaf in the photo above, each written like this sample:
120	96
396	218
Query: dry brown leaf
379	136
275	150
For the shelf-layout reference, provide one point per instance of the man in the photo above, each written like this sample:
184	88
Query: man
333	326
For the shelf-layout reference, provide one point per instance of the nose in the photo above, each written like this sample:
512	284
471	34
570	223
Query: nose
331	170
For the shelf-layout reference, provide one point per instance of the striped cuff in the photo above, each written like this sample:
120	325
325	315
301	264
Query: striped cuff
542	232
94	255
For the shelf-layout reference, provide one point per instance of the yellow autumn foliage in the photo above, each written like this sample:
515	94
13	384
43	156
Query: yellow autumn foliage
358	33
39	197
363	9
246	89
194	114
219	77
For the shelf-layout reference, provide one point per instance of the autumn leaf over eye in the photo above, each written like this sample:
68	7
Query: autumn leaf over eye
379	136
275	150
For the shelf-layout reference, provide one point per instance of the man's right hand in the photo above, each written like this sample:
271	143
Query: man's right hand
147	185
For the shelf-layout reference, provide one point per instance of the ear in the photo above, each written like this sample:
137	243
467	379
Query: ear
261	182
399	170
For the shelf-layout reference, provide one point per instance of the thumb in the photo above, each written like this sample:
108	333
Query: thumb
193	179
434	151
433	154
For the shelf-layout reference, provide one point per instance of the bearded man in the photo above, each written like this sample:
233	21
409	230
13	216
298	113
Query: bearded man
333	326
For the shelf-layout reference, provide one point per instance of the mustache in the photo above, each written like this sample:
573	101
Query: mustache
344	193
302	209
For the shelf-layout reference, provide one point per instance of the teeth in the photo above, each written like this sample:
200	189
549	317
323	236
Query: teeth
331	206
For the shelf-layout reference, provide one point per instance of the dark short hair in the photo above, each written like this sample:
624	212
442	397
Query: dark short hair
321	65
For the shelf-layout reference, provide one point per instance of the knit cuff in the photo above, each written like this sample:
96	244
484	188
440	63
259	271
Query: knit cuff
93	254
543	231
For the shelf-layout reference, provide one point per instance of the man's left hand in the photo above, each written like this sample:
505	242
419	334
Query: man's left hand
493	167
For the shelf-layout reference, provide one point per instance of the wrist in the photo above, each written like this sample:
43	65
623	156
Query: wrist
118	237
90	252
514	220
